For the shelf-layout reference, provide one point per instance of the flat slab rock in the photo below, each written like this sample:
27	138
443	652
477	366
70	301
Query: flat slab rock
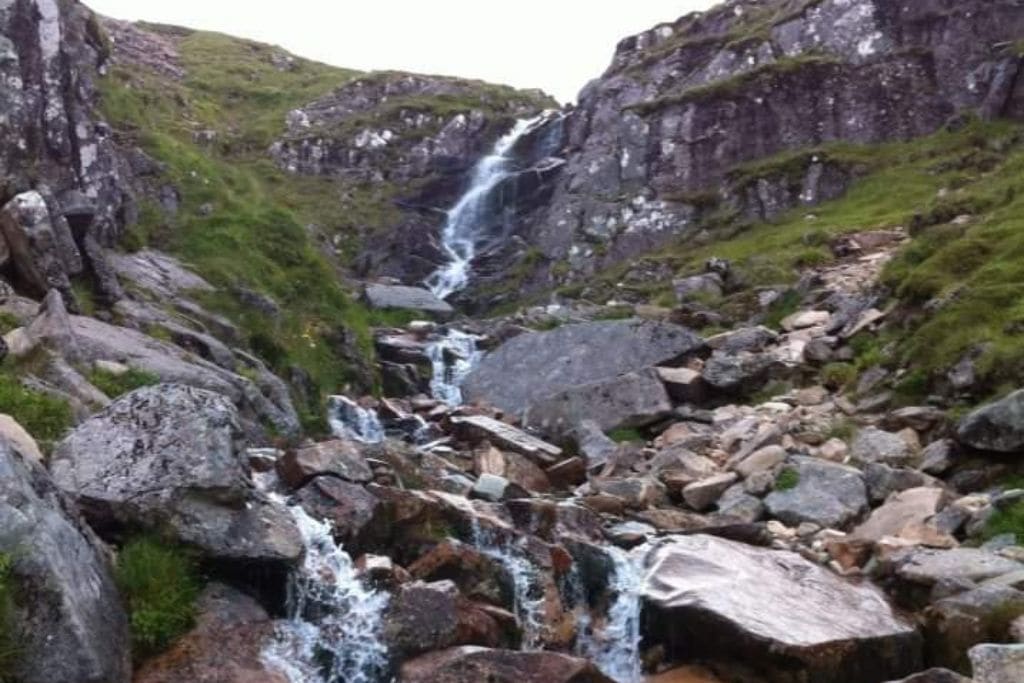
471	664
534	366
508	437
409	298
775	611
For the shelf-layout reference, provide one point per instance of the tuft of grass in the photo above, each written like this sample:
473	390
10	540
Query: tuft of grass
787	479
8	322
45	417
114	385
1009	520
159	584
8	638
841	428
838	375
626	435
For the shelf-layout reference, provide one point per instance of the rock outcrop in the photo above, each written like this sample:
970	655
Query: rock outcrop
167	458
67	617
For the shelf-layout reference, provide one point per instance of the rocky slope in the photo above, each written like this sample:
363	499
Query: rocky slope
764	431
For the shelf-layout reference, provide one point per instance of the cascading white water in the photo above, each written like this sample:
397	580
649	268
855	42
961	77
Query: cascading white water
452	358
527	597
332	634
614	645
461	237
349	420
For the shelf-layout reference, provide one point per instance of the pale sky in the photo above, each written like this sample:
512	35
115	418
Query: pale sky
557	45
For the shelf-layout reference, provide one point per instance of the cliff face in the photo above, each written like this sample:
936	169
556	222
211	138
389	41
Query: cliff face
668	135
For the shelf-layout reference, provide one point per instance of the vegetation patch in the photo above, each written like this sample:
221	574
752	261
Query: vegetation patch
159	584
787	479
116	384
626	435
1008	520
46	417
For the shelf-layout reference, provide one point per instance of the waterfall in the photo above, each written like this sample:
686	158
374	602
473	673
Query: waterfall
461	235
452	358
528	595
614	644
332	634
349	420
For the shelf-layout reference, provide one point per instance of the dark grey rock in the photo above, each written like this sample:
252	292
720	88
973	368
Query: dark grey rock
827	494
997	427
534	366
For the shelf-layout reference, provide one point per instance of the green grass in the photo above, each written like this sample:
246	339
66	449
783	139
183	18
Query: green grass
8	638
626	435
1006	521
159	584
8	322
114	385
837	376
787	479
45	417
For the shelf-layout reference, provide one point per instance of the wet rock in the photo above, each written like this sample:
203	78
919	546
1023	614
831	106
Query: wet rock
407	298
67	616
534	366
423	617
774	611
997	427
354	512
225	646
593	443
872	445
167	458
339	458
635	399
495	489
825	493
997	663
474	664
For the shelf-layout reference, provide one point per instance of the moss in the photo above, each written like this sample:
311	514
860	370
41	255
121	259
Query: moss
8	322
9	649
787	479
783	307
114	384
159	584
46	417
1009	520
626	435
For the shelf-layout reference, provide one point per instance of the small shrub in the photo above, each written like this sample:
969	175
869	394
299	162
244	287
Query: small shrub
159	585
841	428
912	387
787	479
838	375
8	322
114	385
626	435
785	306
45	417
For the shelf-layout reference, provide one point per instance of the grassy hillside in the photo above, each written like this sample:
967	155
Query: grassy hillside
958	284
244	223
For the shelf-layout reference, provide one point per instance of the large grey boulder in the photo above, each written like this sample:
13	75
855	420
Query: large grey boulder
873	445
927	566
471	664
534	366
167	458
774	611
407	298
635	399
68	619
825	493
995	427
